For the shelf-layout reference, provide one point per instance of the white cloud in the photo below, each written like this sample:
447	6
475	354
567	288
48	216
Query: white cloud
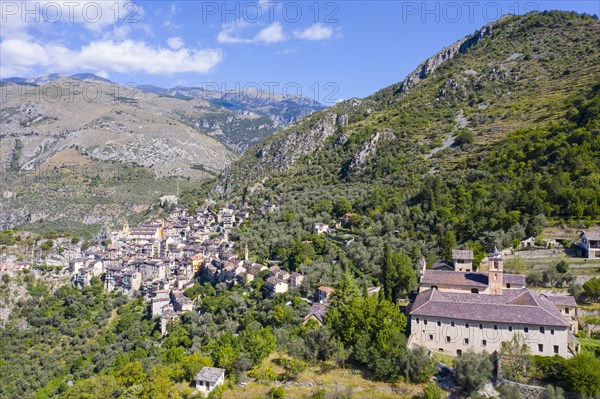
119	16
314	32
271	34
175	43
230	33
20	57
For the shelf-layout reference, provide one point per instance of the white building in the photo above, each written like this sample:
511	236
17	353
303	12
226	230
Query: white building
457	311
320	228
275	286
209	378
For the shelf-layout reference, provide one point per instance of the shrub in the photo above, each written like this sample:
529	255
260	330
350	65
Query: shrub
417	365
509	392
432	391
464	138
553	393
277	393
472	370
582	373
591	289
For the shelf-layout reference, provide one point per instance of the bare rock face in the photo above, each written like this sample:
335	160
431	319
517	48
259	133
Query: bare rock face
368	150
281	154
288	146
432	63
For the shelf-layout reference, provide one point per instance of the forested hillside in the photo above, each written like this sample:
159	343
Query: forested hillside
487	142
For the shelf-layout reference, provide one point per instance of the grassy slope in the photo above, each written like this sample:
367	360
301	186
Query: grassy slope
331	379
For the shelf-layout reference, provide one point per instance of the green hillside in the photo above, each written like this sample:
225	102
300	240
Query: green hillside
487	142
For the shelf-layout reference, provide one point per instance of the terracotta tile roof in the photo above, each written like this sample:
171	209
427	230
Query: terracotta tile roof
513	306
211	374
325	289
467	279
516	279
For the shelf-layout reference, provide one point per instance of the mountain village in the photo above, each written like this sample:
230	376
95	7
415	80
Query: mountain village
456	307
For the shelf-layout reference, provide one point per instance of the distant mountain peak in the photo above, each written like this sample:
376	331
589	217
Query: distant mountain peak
43	79
90	77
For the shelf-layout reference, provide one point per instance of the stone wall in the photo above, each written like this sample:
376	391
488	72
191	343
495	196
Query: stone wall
527	391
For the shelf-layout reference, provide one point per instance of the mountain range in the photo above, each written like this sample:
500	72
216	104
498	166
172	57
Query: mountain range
268	111
57	126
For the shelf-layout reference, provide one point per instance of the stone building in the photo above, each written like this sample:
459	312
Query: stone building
456	311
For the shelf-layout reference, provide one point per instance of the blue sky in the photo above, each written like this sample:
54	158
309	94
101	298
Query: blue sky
326	50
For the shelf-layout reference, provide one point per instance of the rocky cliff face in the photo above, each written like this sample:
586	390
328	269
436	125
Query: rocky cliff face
241	118
285	153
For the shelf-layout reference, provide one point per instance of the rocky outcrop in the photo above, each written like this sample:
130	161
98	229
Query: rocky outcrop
432	63
367	151
281	154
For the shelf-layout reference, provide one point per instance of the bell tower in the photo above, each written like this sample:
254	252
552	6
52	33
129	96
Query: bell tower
495	270
126	230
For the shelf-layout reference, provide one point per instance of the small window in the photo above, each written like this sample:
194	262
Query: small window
509	328
551	332
459	352
474	290
481	326
431	337
495	327
439	323
425	321
417	320
467	325
440	349
540	347
447	339
526	329
555	348
452	323
567	310
507	285
466	341
484	342
542	330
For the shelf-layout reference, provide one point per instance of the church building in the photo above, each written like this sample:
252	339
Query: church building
456	311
